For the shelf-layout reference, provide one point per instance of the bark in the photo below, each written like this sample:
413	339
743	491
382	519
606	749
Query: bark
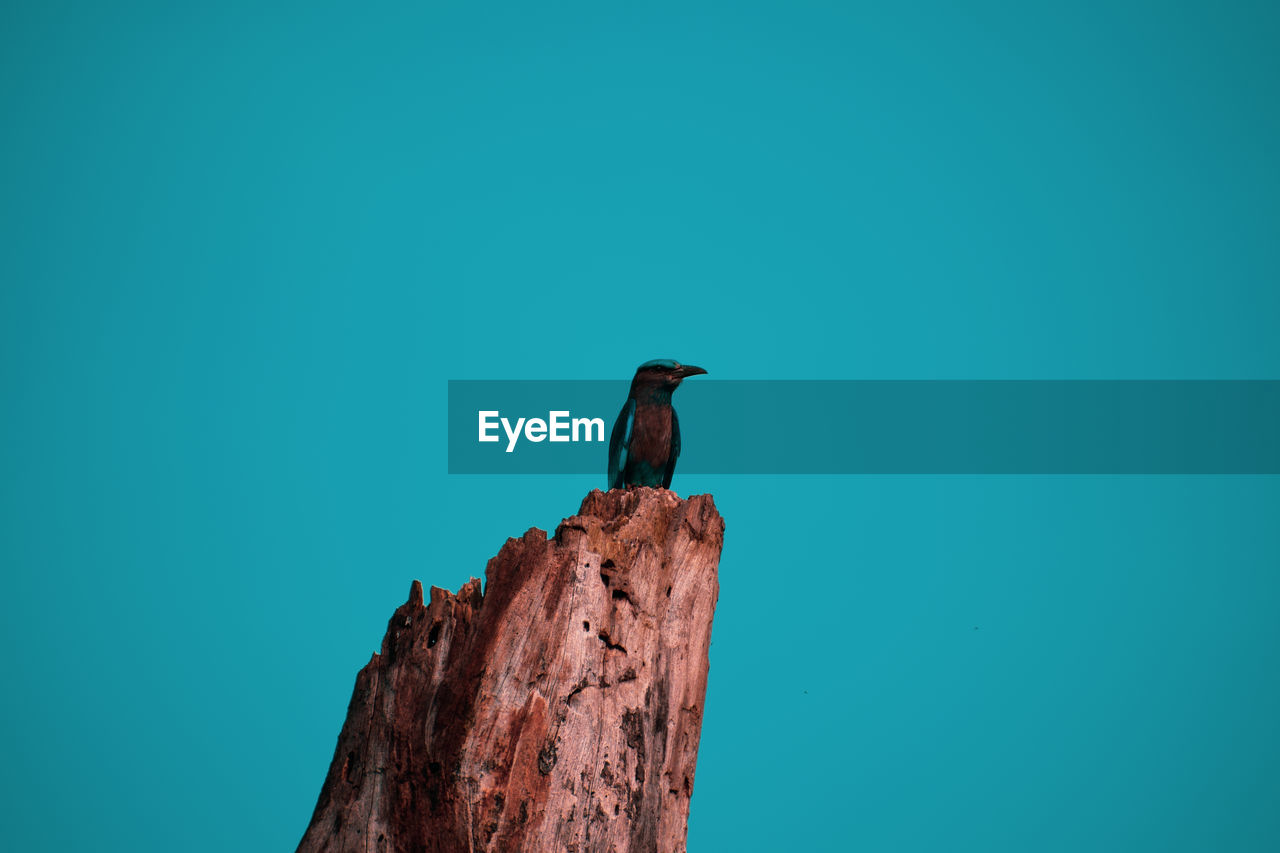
559	710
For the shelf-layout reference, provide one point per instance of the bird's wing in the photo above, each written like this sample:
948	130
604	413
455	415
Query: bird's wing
619	441
675	451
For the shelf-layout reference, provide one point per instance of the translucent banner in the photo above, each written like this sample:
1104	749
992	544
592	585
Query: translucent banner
881	427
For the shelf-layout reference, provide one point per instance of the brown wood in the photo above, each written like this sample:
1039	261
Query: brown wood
559	711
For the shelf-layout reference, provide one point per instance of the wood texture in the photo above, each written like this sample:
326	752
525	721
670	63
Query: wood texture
560	710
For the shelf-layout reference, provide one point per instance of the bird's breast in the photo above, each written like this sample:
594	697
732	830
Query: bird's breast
651	434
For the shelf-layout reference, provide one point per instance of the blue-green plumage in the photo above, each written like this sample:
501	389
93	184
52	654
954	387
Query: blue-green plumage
646	437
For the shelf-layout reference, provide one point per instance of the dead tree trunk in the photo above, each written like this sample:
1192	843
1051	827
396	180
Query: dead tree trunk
560	710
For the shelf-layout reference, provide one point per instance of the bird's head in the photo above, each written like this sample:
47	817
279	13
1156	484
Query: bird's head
663	374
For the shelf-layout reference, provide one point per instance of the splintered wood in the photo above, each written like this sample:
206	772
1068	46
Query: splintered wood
560	710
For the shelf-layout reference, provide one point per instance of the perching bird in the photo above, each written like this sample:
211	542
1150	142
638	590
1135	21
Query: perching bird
646	437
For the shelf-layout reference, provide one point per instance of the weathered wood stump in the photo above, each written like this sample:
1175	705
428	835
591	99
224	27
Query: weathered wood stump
560	710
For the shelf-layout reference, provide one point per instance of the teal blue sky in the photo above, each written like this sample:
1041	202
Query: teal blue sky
245	245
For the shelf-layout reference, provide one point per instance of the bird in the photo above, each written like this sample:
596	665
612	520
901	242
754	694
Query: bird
646	437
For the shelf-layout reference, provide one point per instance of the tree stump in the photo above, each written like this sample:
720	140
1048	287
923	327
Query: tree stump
559	710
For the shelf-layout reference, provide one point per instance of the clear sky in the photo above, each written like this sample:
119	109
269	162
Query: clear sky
246	244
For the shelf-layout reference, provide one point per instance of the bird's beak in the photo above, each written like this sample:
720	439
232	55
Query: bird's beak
687	370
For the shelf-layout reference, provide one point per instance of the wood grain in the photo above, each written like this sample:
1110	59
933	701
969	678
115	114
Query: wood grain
560	710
